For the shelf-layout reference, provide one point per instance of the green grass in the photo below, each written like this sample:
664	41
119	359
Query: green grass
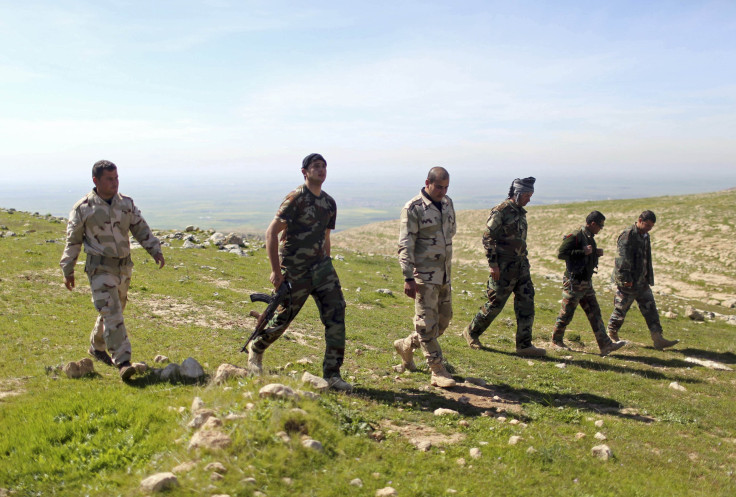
100	437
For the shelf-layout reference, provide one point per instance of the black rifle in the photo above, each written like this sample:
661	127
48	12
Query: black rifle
273	301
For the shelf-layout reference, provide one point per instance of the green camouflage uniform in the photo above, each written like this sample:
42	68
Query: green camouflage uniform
307	266
634	265
102	229
577	286
425	255
505	243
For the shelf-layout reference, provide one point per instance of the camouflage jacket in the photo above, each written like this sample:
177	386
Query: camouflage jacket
307	218
425	240
572	250
634	259
103	230
505	235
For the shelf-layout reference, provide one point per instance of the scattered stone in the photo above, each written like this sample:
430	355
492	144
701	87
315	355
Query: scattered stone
384	291
159	482
477	381
215	476
602	452
599	436
78	369
197	404
513	440
460	461
676	386
307	394
227	371
248	481
670	315
694	314
170	373
191	245
277	390
184	467
200	417
212	423
399	368
514	421
304	360
730	304
561	365
501	419
356	482
283	436
445	412
451	491
422	445
140	367
191	370
463	399
319	384
312	444
464	422
287	481
378	435
708	364
209	439
217	467
386	492
233	239
531	450
599	423
475	453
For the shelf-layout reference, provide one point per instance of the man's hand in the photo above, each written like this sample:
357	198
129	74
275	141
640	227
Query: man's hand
600	252
588	249
276	278
495	273
410	289
159	258
69	282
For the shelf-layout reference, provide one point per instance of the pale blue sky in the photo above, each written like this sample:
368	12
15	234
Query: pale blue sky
525	88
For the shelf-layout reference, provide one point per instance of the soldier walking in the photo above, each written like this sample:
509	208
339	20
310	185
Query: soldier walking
634	275
580	253
304	220
425	255
505	243
101	221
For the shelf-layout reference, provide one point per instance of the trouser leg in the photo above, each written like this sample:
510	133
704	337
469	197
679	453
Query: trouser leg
524	307
330	302
498	293
592	310
570	301
426	321
301	287
648	308
621	304
110	294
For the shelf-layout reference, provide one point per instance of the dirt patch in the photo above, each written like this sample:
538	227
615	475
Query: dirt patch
483	398
10	388
420	434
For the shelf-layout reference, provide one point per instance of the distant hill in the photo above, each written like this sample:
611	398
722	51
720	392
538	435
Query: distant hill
694	240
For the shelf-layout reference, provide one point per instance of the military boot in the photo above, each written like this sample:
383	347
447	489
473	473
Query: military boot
255	361
613	335
661	343
558	342
337	383
100	355
126	370
440	377
612	347
530	351
473	343
406	352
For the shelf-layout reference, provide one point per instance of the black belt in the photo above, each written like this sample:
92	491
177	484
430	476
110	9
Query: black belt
101	260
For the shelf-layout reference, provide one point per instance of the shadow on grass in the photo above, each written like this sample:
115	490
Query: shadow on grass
616	368
723	357
149	378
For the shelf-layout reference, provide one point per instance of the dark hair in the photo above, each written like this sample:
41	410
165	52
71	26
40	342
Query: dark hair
595	217
648	216
437	173
101	166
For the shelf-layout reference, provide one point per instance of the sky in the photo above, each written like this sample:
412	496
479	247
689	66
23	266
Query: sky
241	91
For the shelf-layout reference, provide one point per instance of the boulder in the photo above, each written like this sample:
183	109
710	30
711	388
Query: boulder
160	482
191	370
277	390
319	384
78	369
209	439
602	452
227	371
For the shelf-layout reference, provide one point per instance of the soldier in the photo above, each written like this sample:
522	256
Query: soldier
505	244
306	217
101	221
425	256
633	275
580	253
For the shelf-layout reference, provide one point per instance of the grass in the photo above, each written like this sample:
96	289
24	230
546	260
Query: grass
100	437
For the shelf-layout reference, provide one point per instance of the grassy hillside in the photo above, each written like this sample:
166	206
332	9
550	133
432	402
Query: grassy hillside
98	436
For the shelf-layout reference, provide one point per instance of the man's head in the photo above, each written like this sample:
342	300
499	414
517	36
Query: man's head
595	221
521	190
314	168
438	180
105	178
646	221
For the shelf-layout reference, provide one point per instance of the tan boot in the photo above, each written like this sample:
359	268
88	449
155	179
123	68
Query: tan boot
473	343
440	377
612	347
613	335
661	343
126	370
531	351
255	361
406	352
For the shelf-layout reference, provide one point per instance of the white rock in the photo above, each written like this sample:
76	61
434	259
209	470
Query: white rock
312	444
599	423
422	445
210	439
676	386
531	450
694	314
159	482
304	360
160	358
386	492
190	369
475	453
184	467
277	390
513	440
78	369
476	381
599	436
460	461
514	421
211	423
319	384
445	412
197	404
602	452
579	435
227	371
357	482
561	365
217	467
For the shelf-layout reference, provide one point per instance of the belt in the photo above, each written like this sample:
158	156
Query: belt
102	260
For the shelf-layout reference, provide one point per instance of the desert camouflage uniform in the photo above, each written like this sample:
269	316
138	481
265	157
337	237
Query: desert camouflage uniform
307	266
425	255
102	229
505	243
577	285
634	265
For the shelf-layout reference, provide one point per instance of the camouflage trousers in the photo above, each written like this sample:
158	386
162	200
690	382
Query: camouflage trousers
321	282
110	294
515	277
576	292
622	302
432	315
